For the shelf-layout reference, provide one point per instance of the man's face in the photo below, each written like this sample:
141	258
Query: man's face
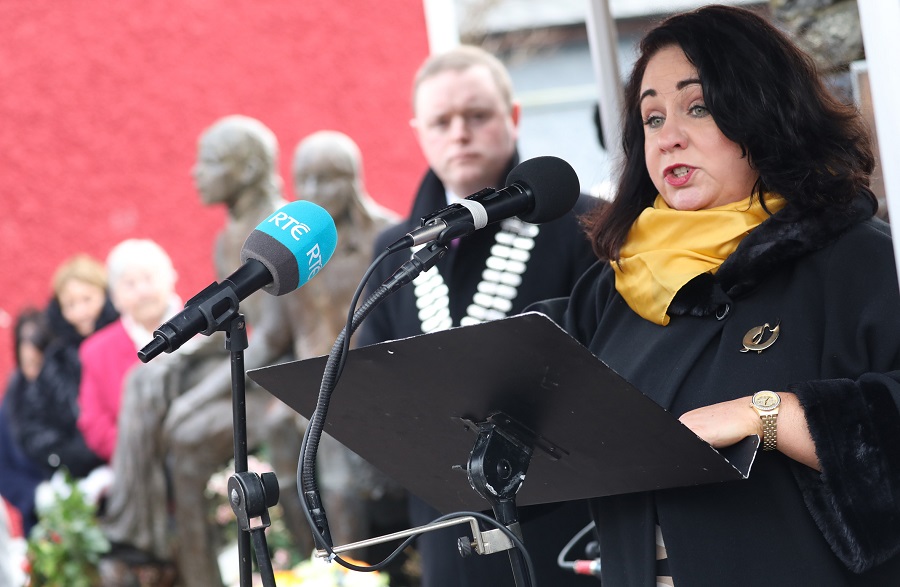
465	130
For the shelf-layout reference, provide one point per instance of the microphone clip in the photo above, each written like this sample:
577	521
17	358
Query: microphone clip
421	261
451	222
209	311
217	305
440	214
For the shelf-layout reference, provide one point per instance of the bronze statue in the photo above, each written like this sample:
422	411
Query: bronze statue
176	416
327	170
179	408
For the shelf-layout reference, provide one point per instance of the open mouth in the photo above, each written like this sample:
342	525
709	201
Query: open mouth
679	174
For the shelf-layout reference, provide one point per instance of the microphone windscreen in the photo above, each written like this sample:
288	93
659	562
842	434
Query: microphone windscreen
553	183
294	243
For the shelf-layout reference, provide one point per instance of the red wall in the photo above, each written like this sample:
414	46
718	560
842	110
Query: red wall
101	104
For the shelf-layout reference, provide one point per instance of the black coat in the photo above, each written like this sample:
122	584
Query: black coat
830	280
19	474
44	414
561	254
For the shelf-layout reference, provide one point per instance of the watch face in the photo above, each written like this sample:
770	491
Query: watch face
766	400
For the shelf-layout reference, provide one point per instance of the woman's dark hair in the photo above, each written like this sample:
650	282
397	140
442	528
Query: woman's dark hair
31	327
765	95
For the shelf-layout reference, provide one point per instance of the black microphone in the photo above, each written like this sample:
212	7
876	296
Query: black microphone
285	251
537	190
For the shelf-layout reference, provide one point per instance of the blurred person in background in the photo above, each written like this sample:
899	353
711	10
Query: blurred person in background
20	474
142	288
466	121
176	425
44	413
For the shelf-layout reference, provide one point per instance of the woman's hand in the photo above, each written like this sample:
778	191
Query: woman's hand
725	423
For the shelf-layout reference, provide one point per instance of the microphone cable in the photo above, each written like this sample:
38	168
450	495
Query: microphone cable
589	566
315	515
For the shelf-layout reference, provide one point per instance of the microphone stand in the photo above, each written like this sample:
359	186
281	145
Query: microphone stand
249	494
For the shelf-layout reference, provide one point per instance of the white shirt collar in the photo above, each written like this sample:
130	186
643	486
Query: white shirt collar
451	197
139	335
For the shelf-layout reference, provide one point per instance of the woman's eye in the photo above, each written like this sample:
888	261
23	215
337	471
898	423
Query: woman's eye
698	110
653	121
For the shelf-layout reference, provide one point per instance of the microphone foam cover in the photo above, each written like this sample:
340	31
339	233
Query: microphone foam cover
294	243
553	183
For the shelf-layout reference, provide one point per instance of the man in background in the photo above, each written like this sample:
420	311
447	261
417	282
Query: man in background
466	122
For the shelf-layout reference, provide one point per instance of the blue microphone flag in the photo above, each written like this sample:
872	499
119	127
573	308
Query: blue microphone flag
294	243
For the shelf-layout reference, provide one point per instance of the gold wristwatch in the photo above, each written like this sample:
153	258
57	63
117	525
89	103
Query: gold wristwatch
766	405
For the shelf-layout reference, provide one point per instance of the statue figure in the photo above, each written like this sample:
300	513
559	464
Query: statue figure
327	170
176	419
179	406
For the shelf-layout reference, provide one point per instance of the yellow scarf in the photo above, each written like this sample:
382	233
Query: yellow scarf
667	248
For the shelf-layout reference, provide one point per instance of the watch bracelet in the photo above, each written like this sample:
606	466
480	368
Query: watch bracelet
770	431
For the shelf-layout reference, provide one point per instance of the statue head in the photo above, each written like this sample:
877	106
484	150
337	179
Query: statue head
327	171
236	156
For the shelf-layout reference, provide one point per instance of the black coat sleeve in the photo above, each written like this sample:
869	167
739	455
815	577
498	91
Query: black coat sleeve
854	419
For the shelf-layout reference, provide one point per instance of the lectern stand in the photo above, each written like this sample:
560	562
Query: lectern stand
414	408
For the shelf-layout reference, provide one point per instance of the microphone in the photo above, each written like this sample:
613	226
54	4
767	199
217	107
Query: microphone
537	190
285	251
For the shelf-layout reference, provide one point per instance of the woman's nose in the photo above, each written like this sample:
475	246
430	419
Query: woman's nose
671	135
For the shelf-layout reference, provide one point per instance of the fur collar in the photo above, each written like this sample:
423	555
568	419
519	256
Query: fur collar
781	240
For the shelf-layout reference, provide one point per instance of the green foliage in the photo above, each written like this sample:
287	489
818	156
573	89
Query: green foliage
64	548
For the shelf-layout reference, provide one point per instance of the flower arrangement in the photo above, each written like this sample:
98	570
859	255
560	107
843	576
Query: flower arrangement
65	547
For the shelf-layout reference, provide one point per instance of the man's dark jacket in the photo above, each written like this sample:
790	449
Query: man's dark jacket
560	255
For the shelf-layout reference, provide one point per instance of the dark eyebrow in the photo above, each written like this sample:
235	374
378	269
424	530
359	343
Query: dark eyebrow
646	93
679	86
687	82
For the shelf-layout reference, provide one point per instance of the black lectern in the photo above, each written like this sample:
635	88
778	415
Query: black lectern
412	407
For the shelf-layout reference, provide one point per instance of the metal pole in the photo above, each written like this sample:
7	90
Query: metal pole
603	40
880	20
236	343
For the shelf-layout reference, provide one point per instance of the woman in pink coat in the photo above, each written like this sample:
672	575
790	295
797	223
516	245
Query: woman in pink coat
142	288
